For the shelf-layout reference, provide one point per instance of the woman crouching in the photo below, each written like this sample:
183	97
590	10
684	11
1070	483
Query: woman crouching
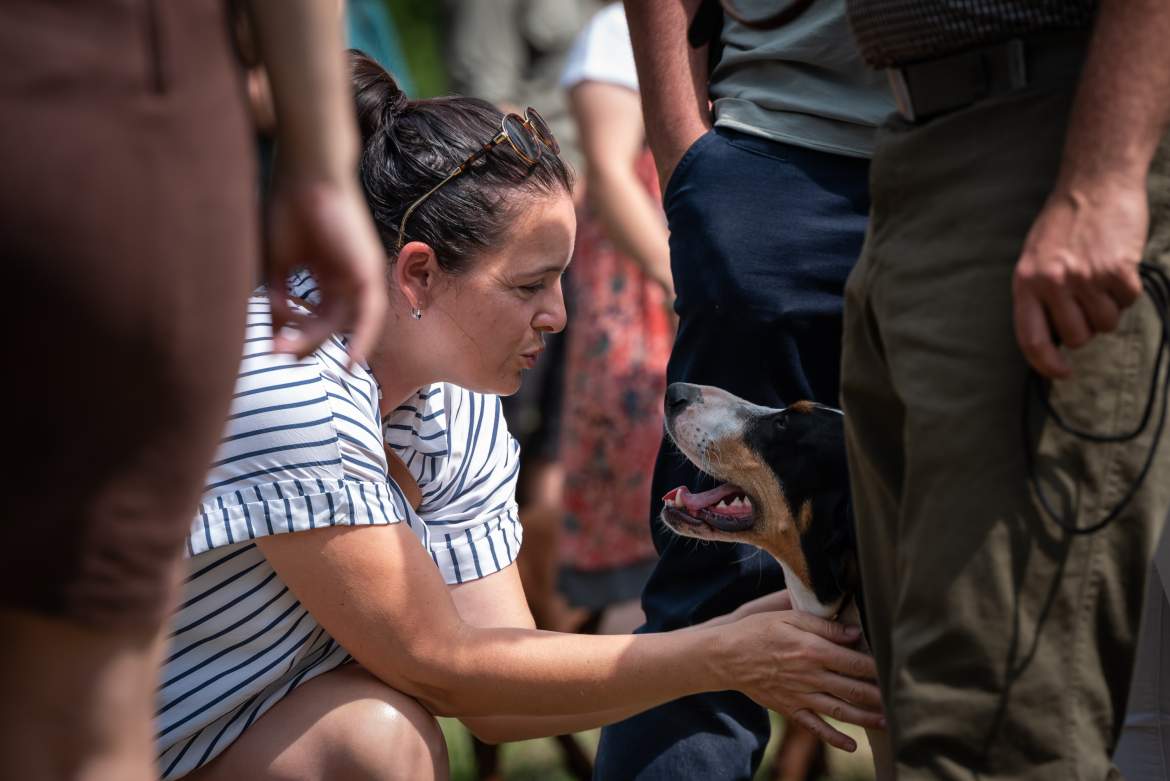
316	638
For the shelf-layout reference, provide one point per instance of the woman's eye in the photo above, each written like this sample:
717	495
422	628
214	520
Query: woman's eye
532	289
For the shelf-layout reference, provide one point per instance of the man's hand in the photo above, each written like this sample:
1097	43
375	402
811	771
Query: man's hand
1079	268
326	227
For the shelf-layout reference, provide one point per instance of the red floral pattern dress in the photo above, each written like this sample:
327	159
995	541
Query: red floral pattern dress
615	379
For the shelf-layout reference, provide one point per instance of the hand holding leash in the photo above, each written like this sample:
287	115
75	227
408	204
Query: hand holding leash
1079	269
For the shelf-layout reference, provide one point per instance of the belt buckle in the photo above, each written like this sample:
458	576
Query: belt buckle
901	89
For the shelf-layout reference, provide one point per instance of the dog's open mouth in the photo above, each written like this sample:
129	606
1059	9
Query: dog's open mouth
724	508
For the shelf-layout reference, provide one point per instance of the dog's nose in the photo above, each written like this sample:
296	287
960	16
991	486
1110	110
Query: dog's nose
679	395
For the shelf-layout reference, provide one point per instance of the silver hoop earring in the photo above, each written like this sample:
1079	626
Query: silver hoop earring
416	313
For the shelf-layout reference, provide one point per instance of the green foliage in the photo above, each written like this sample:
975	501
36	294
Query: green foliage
420	28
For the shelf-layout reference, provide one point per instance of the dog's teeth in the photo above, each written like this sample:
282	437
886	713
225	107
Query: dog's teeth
747	503
737	502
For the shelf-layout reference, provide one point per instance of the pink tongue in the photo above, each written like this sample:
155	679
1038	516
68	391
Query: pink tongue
701	501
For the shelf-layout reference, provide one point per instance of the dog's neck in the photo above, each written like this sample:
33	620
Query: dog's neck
803	597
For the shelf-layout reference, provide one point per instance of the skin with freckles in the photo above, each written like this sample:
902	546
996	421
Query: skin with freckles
483	328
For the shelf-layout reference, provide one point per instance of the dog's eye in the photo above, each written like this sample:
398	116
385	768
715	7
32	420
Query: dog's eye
780	421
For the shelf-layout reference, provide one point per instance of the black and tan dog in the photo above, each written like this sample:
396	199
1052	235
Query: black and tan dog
786	491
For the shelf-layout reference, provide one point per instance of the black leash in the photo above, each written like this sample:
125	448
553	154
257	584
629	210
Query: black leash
1157	286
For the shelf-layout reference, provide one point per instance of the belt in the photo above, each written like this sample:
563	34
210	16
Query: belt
927	89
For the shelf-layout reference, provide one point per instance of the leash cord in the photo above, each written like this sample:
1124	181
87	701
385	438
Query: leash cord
1157	286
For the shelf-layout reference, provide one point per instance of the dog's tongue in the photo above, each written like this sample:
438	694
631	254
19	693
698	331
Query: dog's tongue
701	501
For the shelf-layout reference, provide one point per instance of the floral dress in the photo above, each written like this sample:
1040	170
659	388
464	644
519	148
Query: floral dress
614	385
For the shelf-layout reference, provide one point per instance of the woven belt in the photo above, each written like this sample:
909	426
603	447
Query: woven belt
927	89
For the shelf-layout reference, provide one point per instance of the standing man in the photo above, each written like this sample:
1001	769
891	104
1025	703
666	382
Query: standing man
1026	176
766	198
129	237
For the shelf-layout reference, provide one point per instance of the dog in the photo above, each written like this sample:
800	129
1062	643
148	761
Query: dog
785	490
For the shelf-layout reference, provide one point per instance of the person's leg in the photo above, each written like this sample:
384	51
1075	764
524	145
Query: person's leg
1004	644
345	724
102	730
129	231
762	238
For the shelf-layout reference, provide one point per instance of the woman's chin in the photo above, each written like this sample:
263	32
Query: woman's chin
504	385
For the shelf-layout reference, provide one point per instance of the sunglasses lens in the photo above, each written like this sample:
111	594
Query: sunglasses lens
543	131
522	139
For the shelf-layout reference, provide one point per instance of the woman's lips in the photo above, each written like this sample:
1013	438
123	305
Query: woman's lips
530	357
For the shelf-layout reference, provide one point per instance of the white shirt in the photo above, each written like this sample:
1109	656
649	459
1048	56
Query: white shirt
602	52
303	448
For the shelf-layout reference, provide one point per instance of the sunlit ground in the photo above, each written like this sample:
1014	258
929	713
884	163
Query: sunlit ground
539	760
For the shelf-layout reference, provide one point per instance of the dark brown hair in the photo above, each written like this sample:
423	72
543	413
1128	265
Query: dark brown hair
409	146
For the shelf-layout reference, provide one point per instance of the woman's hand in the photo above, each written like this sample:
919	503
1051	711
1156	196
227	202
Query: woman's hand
777	600
800	666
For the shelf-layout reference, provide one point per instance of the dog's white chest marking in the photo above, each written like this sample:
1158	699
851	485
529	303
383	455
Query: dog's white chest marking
802	596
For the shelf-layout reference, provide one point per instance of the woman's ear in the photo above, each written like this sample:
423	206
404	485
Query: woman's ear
416	273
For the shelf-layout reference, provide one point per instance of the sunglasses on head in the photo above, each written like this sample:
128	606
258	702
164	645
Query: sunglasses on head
528	135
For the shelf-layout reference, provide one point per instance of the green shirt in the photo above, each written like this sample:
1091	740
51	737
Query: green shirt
803	84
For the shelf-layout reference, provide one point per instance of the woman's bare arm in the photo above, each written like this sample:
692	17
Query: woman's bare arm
612	136
377	592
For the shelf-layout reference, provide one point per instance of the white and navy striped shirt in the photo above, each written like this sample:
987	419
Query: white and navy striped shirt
304	449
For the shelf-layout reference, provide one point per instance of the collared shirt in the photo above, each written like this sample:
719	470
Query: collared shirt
898	32
304	449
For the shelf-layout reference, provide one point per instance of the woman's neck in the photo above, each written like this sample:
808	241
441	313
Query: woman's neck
398	376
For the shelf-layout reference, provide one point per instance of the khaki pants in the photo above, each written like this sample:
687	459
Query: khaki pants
1005	646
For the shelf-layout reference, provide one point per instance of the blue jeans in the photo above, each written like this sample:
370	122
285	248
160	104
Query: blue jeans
762	237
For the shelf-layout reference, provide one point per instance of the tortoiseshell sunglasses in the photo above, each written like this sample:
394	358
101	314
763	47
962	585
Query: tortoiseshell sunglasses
528	136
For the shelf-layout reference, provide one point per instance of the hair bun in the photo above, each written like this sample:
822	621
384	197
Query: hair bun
378	97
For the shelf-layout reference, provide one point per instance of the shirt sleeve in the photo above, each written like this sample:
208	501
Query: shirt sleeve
301	449
457	446
602	52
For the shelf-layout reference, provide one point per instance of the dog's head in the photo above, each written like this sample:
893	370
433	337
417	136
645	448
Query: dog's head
786	487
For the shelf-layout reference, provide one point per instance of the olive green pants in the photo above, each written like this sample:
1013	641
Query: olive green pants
1005	646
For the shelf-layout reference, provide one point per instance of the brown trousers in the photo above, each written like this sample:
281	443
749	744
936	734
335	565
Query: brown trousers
1005	646
128	242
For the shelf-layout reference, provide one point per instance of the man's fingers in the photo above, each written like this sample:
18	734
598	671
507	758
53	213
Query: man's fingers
839	710
282	313
819	727
368	323
856	691
1068	319
1035	337
1101	310
1124	284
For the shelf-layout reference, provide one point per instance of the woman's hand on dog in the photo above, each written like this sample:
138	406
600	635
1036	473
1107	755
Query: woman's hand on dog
801	666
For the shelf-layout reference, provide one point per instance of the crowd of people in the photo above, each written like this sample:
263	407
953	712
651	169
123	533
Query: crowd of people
367	425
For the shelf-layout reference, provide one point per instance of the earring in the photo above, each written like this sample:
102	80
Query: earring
416	313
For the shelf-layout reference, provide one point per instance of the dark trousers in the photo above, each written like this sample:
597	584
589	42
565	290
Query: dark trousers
762	238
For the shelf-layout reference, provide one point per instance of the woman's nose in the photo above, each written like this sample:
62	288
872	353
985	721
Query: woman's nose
553	317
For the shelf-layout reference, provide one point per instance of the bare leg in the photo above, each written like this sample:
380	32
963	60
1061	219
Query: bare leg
83	698
345	724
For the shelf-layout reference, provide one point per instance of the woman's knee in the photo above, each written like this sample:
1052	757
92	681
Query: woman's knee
384	735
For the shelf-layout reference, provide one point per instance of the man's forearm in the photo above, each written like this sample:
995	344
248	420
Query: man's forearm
301	44
672	77
1122	107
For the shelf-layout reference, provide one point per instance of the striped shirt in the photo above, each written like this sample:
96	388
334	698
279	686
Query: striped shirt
304	449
